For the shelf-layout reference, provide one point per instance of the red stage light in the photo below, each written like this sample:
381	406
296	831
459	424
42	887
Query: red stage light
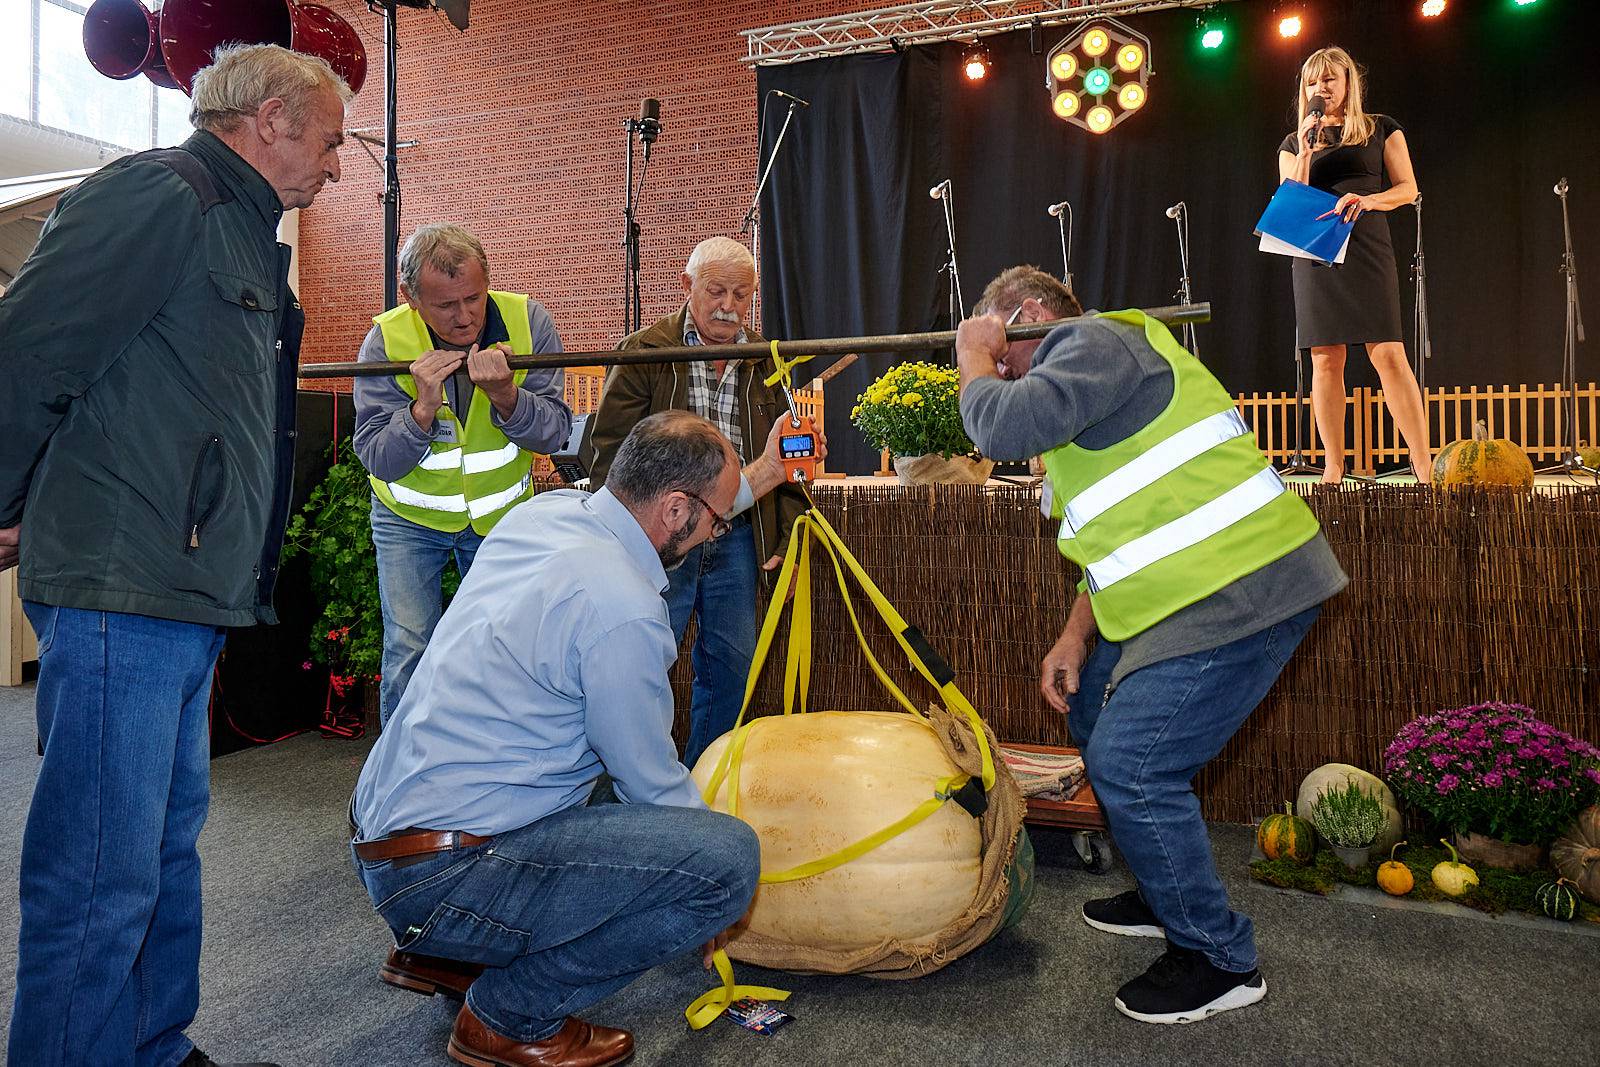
1290	26
975	63
1431	8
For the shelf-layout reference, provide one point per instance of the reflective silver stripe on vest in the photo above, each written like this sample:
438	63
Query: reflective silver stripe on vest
1158	461
1186	531
455	503
493	459
448	460
488	505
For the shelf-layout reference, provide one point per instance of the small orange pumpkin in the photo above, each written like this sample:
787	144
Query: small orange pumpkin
1482	461
1394	877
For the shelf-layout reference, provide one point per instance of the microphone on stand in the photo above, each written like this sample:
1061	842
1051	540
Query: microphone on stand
1177	209
1065	222
1560	188
1055	210
938	191
649	123
787	96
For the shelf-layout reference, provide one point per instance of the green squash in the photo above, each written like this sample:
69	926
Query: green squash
1286	836
1558	899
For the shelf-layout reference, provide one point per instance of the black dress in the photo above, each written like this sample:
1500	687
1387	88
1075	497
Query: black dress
1357	301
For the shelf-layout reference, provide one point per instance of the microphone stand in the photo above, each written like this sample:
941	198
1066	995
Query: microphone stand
1299	462
1181	220
957	303
1571	462
632	312
752	224
1064	220
1422	344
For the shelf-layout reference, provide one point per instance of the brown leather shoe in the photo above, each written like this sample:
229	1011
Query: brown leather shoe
429	974
576	1044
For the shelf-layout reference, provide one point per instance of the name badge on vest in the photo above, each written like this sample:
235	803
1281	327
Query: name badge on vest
444	431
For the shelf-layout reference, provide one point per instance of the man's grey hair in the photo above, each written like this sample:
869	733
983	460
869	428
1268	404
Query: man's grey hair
670	451
1016	284
718	250
242	77
445	247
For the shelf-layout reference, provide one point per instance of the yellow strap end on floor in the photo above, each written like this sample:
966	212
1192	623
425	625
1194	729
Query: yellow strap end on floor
711	1004
785	366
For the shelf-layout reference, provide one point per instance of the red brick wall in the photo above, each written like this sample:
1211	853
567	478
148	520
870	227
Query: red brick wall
520	124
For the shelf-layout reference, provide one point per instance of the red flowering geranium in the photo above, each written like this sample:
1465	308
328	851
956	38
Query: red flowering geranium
1494	769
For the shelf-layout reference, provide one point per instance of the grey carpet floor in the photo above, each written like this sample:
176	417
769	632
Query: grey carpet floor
291	950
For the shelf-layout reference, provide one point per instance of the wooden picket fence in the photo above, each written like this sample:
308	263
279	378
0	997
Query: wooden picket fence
1533	416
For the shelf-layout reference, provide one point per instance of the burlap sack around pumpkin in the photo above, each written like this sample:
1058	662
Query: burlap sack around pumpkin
1005	884
934	469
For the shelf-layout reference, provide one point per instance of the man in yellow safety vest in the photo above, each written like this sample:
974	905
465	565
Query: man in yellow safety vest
449	447
1202	572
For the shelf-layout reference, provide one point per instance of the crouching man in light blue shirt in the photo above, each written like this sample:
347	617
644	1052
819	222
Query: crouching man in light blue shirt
474	836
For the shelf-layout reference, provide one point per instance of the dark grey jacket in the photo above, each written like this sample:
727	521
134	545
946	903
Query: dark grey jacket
146	403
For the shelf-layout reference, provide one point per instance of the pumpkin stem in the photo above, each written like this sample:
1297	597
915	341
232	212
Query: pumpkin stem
1288	807
1480	431
1393	849
1455	859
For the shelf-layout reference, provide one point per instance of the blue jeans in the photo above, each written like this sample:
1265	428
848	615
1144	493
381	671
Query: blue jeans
716	584
411	562
567	911
108	959
1144	741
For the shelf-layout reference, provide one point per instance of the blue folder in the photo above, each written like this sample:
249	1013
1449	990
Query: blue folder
1289	226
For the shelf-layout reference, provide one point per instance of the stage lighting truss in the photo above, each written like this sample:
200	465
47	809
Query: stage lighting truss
1099	76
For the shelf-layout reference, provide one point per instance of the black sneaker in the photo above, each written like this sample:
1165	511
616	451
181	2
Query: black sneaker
1184	987
196	1058
1125	913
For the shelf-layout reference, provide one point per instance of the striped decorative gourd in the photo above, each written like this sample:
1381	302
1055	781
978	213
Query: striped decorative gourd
1558	899
1286	836
1482	461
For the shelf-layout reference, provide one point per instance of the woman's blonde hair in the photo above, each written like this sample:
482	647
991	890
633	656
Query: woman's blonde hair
1358	125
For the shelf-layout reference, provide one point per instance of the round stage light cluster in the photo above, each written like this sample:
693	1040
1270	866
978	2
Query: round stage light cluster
1099	76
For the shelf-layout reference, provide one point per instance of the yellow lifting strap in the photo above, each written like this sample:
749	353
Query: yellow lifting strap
785	367
704	1011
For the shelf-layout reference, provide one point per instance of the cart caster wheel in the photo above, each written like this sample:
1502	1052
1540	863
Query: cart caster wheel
1094	850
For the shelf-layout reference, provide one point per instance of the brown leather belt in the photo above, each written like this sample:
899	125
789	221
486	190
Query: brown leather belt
416	843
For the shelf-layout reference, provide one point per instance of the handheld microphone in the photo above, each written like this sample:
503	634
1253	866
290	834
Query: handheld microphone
787	96
1318	106
938	191
1177	209
1055	210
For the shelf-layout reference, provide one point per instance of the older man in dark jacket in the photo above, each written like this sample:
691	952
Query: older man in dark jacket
147	372
717	581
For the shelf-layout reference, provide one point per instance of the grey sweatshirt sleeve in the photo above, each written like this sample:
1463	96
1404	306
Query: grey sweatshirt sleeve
388	440
542	420
1082	372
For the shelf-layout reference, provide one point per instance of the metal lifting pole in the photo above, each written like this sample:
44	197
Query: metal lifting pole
1178	315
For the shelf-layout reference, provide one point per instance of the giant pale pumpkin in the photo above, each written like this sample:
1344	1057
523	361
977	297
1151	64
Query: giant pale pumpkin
813	784
1576	853
1481	461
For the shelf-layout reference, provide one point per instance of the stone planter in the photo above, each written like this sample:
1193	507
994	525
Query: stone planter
1493	852
1354	858
934	469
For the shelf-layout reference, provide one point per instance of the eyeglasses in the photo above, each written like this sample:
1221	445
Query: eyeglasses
719	525
1014	315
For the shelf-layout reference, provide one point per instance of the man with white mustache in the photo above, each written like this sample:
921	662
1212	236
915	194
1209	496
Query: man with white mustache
716	582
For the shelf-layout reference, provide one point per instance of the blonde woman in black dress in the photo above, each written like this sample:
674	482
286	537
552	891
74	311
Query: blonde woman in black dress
1363	159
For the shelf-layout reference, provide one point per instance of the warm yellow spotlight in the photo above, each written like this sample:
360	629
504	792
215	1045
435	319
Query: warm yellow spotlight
1064	66
1099	118
1432	8
1290	27
1130	57
1066	104
1131	96
1096	41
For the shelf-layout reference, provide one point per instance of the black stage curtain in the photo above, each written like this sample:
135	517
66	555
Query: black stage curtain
1497	103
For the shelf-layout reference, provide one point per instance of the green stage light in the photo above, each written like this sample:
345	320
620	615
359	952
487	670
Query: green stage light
1097	81
1212	39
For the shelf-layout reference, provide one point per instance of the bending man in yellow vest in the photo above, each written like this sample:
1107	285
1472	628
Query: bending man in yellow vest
1202	574
449	446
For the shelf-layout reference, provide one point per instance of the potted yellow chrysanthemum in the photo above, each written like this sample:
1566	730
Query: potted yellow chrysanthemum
912	412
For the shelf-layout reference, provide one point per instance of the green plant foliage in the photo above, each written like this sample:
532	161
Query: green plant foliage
1497	891
334	531
1350	817
913	411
